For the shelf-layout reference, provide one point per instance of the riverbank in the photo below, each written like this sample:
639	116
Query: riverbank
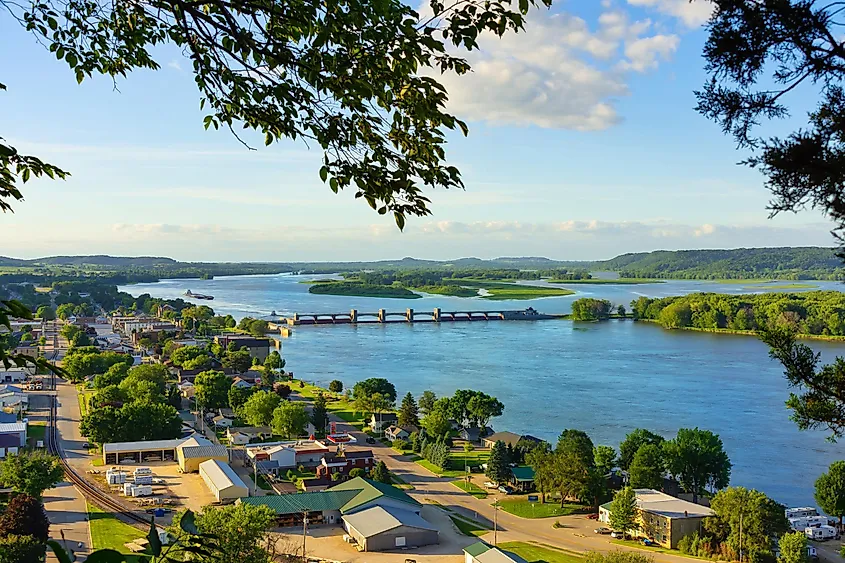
616	281
754	333
494	291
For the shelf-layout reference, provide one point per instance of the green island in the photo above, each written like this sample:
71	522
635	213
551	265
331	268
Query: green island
362	290
617	281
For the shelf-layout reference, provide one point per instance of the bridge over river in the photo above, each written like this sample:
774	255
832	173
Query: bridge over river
411	316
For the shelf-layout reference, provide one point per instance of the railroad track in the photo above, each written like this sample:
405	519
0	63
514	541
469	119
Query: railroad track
92	493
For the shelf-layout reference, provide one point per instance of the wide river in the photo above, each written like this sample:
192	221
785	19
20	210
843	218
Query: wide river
604	378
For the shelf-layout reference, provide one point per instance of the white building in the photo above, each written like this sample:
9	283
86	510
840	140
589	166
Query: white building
222	480
17	429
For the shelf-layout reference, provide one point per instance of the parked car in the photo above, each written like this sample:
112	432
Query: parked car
603	531
505	489
617	535
86	446
491	485
371	440
592	516
647	541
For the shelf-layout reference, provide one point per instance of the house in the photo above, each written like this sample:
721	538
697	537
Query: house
241	383
663	518
522	478
509	439
245	434
383	420
15	429
317	484
482	553
345	462
375	515
187	389
474	434
221	421
258	347
400	432
286	455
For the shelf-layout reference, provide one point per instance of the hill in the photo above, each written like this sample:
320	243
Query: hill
740	263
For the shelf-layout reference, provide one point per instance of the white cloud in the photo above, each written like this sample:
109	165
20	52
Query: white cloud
559	73
643	54
174	64
691	13
705	229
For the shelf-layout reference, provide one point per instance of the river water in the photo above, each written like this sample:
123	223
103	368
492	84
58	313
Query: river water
604	378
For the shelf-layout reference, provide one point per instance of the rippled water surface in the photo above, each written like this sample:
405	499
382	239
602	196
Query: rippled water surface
603	378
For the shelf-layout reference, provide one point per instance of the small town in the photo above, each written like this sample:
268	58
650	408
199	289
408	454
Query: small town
335	474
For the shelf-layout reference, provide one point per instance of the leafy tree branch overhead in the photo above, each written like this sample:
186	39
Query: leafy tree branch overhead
760	54
344	75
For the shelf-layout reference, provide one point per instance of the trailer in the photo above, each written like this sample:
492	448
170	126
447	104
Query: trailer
142	491
143	479
801	512
143	471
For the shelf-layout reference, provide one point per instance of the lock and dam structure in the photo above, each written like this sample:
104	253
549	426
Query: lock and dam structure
411	316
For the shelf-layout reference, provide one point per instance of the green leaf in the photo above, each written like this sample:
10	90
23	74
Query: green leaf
333	184
324	173
152	536
400	220
106	556
59	551
188	523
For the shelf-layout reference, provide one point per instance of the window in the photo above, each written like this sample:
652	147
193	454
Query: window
400	541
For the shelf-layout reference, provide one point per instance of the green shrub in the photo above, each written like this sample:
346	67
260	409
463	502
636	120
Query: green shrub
400	445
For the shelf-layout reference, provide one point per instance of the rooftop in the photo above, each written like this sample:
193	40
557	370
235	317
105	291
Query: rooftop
656	502
146	445
378	519
345	497
11	427
204	451
221	474
523	473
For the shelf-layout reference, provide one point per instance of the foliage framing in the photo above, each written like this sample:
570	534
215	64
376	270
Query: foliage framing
342	74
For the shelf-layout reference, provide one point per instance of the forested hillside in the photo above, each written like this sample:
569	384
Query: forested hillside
742	263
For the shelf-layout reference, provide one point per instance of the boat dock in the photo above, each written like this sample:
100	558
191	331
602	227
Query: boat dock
411	316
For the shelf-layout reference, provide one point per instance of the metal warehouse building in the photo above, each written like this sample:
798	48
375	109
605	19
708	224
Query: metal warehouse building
222	480
386	527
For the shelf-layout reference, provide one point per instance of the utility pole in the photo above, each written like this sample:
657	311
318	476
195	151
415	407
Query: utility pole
304	530
495	523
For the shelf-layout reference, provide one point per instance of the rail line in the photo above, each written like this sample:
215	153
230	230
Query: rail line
92	493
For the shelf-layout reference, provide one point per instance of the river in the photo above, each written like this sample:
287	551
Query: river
604	378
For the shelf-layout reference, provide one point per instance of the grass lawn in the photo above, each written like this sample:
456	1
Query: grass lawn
35	431
473	458
437	471
524	509
262	483
654	548
82	397
107	532
536	553
468	528
470	488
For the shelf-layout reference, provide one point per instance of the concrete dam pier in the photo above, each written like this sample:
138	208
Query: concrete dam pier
410	316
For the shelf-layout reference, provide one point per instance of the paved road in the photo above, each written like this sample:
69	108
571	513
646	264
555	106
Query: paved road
65	505
575	535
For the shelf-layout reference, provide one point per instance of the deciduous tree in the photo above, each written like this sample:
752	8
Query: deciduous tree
793	548
830	490
578	443
211	389
624	515
241	531
25	516
31	473
646	471
319	413
289	419
373	385
336	386
258	409
698	459
604	459
632	442
758	517
426	403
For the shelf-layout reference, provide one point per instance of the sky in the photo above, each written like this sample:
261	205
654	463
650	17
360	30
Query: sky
583	144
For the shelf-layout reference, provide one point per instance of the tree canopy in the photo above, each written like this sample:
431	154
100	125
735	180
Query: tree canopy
31	473
698	459
758	517
346	78
830	490
633	441
373	385
758	55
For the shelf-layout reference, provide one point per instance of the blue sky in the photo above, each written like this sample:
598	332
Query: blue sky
583	144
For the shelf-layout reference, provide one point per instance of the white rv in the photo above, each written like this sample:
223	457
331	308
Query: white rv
820	533
802	512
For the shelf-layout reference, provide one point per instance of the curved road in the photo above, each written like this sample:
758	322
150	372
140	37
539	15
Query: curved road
576	533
